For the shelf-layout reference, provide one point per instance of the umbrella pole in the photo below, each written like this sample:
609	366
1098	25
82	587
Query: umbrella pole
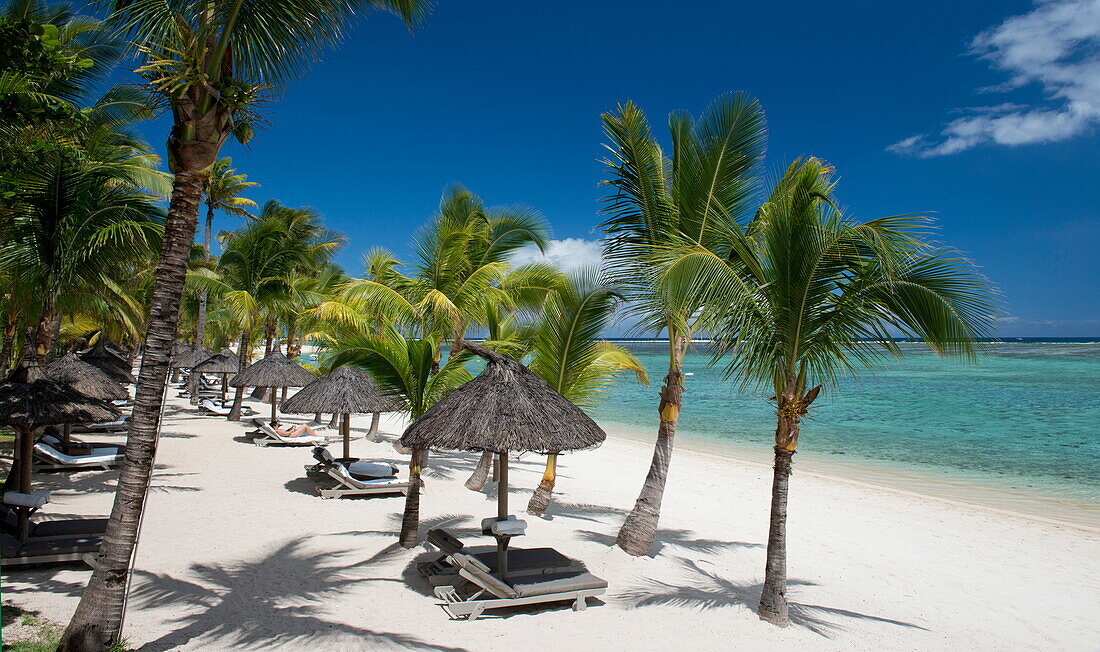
502	514
274	404
26	452
66	433
345	430
225	381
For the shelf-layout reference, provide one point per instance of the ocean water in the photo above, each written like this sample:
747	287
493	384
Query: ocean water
1025	417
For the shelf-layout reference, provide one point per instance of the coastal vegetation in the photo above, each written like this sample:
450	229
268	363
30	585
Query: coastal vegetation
98	243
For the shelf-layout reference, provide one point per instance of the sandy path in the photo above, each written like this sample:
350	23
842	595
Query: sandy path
238	551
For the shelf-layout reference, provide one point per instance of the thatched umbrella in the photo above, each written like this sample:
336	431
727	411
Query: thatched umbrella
224	363
28	400
189	358
506	408
71	371
186	358
273	371
345	391
109	362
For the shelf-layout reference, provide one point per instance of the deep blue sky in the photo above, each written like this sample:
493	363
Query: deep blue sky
505	98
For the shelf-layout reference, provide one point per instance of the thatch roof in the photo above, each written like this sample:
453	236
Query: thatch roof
273	370
346	390
225	362
28	399
84	378
191	357
109	362
506	408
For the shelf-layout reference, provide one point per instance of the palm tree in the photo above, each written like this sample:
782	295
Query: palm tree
254	276
565	351
696	195
407	369
209	62
80	222
803	295
221	191
462	271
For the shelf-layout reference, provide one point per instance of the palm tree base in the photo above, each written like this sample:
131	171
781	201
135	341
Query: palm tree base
775	611
638	533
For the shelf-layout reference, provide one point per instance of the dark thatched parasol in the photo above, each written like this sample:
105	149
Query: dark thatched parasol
274	370
224	362
346	391
71	371
28	400
506	408
85	378
109	362
189	358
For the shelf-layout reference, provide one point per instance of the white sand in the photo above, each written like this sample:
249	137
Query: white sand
238	551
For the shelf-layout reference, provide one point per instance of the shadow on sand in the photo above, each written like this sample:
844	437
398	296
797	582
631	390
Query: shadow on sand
704	589
277	599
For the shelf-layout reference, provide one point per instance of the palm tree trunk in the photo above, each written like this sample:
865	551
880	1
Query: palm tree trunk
335	421
200	328
540	500
10	326
481	472
792	406
410	520
244	354
44	332
372	434
97	623
640	529
773	597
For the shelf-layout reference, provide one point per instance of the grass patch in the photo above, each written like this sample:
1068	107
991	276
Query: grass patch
31	633
24	631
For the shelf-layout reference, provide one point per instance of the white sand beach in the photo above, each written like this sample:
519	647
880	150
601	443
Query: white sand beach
238	551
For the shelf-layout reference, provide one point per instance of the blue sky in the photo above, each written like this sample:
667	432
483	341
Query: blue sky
984	113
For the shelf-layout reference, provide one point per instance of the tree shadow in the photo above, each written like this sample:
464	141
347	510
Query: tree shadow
274	600
704	589
685	539
88	481
581	511
41	579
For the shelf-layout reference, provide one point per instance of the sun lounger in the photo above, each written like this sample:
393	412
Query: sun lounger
521	561
358	470
78	445
350	487
52	459
208	405
121	423
482	590
268	436
55	529
46	551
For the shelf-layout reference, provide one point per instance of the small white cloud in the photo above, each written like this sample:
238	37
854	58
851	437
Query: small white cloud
569	254
1057	46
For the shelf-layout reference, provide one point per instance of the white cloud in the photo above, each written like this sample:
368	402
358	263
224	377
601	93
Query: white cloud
1057	46
568	254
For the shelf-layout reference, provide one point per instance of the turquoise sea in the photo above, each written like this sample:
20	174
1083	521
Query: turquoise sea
1025	417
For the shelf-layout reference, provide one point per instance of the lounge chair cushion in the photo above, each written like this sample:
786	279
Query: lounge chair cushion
524	559
34	499
372	470
557	583
98	456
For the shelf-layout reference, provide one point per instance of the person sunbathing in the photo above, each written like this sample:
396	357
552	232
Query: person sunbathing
293	432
